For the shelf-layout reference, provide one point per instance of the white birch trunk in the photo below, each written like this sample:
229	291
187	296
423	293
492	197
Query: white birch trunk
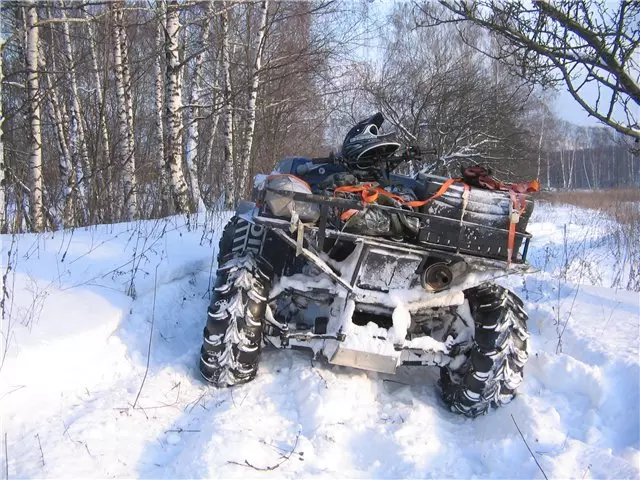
212	132
104	130
228	170
104	186
245	157
540	139
215	97
61	124
586	172
179	189
128	95
193	113
548	173
126	158
3	201
159	122
77	139
572	162
35	134
564	175
60	120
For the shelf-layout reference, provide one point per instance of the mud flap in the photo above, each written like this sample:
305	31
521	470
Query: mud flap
365	360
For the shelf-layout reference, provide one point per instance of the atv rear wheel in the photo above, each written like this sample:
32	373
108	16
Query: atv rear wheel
494	365
233	336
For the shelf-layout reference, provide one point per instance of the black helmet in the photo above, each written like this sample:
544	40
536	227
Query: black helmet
363	145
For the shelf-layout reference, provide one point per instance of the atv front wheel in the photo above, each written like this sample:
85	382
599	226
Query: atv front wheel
493	368
233	335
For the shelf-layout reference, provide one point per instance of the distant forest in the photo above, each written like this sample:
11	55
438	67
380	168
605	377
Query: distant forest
121	110
596	161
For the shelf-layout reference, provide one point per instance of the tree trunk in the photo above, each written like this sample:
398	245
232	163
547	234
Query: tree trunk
193	112
179	189
229	174
586	172
215	99
60	122
77	139
126	157
540	140
245	157
564	175
572	162
159	113
3	188
548	172
102	172
35	133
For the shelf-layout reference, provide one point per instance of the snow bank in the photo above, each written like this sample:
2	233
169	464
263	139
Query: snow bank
81	308
584	246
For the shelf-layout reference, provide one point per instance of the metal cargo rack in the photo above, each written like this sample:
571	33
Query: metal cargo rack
450	229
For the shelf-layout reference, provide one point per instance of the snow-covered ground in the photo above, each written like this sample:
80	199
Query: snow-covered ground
81	306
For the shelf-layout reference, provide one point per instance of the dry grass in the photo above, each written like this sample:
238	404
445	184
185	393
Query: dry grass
622	206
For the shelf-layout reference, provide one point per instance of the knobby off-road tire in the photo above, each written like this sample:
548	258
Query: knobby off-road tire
494	366
233	335
226	240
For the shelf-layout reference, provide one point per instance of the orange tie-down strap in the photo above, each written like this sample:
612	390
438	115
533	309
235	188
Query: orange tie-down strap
519	204
371	193
493	184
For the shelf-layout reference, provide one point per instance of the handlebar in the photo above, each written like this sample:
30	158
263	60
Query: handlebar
409	154
332	158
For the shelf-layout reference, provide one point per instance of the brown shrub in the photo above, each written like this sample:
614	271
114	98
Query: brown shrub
607	201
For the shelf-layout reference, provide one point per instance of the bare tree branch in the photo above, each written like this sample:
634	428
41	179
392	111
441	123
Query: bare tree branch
563	43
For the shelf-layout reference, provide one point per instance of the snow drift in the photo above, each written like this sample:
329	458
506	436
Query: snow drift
82	305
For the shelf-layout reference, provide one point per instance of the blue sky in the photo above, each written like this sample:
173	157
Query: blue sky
563	104
568	109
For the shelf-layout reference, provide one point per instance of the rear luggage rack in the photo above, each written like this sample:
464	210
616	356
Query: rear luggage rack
453	235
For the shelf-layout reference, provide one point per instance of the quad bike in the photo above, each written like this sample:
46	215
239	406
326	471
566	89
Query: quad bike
375	270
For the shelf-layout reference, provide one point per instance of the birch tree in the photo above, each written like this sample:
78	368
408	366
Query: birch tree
105	187
215	106
3	227
193	112
258	86
179	189
77	139
229	167
245	157
159	117
3	201
126	157
35	133
60	122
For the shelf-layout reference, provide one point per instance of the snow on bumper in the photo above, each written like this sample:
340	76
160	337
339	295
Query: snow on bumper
374	348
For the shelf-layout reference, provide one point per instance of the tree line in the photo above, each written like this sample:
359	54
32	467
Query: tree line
119	110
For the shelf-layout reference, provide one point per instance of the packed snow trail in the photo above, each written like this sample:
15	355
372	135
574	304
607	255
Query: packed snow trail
78	354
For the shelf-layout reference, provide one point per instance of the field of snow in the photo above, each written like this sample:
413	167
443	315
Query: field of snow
83	304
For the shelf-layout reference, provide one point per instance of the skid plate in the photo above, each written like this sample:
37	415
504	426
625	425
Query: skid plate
365	360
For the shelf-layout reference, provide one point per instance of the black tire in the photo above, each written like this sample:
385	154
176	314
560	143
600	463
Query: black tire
226	240
233	336
494	365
